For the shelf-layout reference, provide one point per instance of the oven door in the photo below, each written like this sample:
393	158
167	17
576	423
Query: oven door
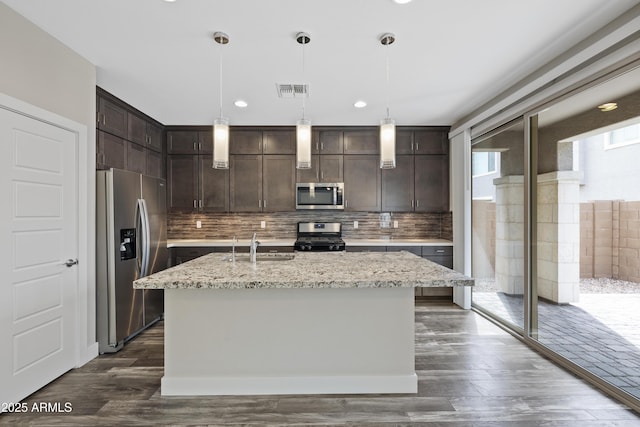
319	196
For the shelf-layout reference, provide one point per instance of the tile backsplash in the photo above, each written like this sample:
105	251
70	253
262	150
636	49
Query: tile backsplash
282	225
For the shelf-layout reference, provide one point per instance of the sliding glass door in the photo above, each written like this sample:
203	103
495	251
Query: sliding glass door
498	222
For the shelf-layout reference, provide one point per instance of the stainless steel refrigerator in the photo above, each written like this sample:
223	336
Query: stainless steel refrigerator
131	242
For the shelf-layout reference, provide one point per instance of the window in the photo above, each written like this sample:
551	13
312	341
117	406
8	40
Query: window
484	162
623	136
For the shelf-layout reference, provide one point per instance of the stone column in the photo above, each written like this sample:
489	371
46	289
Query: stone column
558	242
509	262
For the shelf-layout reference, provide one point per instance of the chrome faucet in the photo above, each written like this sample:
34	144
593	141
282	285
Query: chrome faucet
253	248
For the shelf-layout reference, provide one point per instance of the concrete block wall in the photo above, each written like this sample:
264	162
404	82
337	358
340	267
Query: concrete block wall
610	240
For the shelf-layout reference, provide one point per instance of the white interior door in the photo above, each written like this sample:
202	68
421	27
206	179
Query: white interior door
38	229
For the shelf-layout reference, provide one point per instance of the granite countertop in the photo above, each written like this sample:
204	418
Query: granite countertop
176	243
307	270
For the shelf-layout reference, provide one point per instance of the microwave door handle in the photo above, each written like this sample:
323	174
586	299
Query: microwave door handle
335	195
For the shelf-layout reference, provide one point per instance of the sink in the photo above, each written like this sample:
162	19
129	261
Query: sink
261	257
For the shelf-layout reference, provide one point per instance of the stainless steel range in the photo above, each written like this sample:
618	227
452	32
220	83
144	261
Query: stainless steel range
319	236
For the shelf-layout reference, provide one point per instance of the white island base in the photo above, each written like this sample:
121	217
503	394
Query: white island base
289	341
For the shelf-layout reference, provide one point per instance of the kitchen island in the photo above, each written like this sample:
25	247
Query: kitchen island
303	323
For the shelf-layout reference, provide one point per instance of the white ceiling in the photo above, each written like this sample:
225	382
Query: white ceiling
450	56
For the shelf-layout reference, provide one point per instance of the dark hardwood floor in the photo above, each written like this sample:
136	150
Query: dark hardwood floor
471	373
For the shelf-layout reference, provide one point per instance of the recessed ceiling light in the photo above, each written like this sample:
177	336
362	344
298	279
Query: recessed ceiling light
360	104
609	106
241	103
402	1
169	1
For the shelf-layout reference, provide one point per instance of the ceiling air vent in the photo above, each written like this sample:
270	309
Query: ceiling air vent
292	90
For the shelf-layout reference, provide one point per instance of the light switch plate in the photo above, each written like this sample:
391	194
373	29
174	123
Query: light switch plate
355	224
395	224
198	224
263	224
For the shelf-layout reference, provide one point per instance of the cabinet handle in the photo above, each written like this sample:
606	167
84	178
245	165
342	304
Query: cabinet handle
259	203
199	146
104	119
317	148
264	205
322	146
346	203
411	202
195	204
417	203
417	146
440	251
195	147
200	203
412	149
322	175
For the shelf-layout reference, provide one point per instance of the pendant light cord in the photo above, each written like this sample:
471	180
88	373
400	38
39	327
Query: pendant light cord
387	66
303	78
220	78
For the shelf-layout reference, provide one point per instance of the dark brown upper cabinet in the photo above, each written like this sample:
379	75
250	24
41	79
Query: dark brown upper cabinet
112	118
245	193
327	141
324	168
189	141
245	141
431	141
422	141
279	141
364	141
431	183
111	151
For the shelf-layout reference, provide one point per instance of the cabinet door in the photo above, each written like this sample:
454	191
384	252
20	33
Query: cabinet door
182	142
331	168
397	186
404	141
182	182
154	137
431	142
153	163
361	141
312	174
214	186
111	151
112	118
278	183
137	129
362	183
245	142
136	158
205	142
245	183
328	142
431	183
279	142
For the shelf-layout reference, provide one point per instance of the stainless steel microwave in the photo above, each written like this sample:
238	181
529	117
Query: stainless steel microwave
320	195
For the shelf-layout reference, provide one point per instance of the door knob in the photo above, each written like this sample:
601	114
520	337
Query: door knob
71	262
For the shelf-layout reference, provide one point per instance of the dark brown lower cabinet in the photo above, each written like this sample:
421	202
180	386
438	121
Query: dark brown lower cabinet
194	186
431	183
362	183
278	183
245	193
111	151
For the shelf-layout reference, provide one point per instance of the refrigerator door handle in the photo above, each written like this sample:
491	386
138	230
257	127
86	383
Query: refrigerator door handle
142	223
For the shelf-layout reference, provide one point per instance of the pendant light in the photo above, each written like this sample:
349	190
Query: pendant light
387	125
221	124
303	126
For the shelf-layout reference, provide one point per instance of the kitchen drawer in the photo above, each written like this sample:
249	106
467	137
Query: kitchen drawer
445	260
366	248
180	255
437	250
413	249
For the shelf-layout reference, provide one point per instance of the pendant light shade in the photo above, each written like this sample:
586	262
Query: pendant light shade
303	126
221	143
303	144
387	144
221	125
387	125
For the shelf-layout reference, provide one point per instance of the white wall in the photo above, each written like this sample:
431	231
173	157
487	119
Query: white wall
611	174
41	71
